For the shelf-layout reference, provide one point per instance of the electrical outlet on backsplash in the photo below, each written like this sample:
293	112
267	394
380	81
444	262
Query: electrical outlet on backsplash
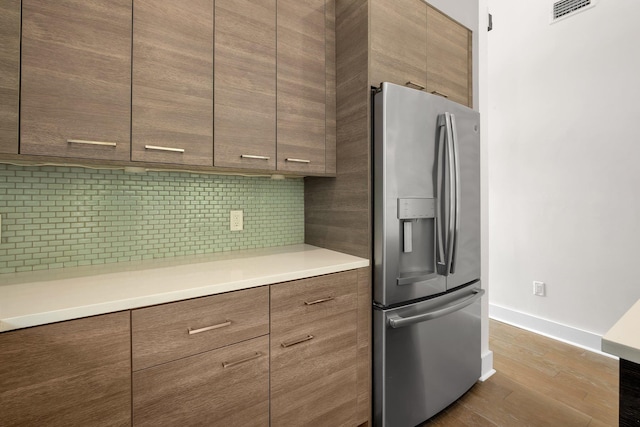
55	217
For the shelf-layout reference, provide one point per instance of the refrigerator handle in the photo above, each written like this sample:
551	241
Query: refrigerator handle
456	210
440	176
395	321
452	193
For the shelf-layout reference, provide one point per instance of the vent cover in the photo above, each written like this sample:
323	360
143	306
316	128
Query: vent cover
563	8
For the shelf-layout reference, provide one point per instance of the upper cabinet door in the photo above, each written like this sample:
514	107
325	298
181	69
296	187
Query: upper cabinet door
173	82
301	86
245	84
76	78
9	74
398	42
449	66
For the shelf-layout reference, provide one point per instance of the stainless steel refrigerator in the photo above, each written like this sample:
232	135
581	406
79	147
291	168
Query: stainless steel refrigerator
426	291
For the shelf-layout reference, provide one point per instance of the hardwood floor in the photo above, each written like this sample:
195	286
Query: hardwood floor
539	382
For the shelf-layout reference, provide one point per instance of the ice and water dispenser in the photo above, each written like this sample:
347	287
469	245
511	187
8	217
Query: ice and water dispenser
416	217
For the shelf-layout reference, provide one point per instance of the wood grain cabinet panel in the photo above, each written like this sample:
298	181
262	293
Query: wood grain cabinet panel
245	84
227	387
76	79
398	42
171	331
301	82
9	74
449	66
313	351
74	373
172	94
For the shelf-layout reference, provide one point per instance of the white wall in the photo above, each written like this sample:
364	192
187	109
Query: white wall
564	156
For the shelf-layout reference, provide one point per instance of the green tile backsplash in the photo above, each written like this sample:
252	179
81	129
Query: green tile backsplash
54	217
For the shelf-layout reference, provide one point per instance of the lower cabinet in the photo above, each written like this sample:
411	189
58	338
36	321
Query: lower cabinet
290	354
74	373
313	351
224	387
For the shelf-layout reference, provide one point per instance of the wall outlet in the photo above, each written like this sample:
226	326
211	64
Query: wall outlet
236	220
539	288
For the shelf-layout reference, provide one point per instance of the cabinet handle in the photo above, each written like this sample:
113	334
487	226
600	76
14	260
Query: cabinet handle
156	147
444	95
297	160
298	341
416	85
85	142
209	328
238	362
251	156
318	301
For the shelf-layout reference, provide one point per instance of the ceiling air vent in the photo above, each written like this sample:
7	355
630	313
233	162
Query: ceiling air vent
565	8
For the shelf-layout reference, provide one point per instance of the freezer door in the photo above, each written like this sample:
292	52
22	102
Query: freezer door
465	263
426	355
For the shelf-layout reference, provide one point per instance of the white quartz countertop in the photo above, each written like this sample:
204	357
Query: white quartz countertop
37	298
623	339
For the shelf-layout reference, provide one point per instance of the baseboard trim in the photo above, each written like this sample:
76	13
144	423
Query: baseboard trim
487	366
557	331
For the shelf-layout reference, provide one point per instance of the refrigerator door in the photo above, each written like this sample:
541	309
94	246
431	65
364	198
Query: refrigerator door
426	355
405	150
465	263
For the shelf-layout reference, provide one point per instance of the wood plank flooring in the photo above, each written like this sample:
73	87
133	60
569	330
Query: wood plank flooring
539	382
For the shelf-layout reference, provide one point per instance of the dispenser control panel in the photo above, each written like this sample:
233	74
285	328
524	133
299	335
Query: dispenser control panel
415	208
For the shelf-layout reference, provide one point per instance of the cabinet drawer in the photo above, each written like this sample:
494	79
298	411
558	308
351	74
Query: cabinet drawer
172	331
224	387
310	300
313	351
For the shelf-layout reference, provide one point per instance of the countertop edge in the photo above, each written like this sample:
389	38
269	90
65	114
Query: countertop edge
620	350
121	304
622	339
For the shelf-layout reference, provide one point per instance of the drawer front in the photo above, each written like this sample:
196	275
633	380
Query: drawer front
313	351
168	332
311	300
224	387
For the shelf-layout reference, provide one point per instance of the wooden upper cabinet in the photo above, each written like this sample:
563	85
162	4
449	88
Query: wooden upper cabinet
398	42
301	82
76	78
245	84
9	74
172	94
331	107
449	65
74	373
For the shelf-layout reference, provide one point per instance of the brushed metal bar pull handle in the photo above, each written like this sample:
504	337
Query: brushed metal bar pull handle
238	362
435	92
454	138
159	148
318	301
416	85
297	160
298	341
396	321
85	142
209	328
251	156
